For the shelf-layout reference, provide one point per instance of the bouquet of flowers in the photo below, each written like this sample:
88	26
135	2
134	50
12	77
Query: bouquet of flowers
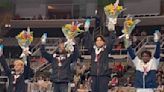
129	25
112	11
157	36
71	31
24	40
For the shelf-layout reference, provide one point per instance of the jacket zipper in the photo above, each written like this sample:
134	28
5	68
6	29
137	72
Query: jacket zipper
98	64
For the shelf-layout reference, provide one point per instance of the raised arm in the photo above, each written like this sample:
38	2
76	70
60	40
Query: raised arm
88	41
29	73
110	41
46	55
5	66
157	36
157	50
132	55
131	52
75	55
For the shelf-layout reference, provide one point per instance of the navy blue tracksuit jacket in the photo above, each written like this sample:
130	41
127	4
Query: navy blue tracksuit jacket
148	80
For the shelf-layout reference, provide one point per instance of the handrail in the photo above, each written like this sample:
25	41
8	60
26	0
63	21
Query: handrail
162	40
140	45
45	66
49	42
35	47
148	40
119	52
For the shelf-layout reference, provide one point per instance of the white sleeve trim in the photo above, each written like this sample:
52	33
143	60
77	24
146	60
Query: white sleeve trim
136	60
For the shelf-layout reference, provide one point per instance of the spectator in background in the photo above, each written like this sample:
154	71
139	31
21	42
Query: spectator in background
160	71
34	18
40	17
160	87
48	85
67	16
135	41
136	32
17	17
143	33
119	46
128	82
119	90
114	82
76	79
162	79
119	69
41	84
42	60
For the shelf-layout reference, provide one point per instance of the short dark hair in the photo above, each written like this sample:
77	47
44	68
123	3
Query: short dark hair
146	52
102	37
61	40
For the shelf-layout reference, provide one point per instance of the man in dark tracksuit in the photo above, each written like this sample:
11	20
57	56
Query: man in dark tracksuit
17	80
99	60
61	71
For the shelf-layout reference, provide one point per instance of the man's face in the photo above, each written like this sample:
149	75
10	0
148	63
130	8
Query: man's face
99	42
18	66
145	57
61	47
